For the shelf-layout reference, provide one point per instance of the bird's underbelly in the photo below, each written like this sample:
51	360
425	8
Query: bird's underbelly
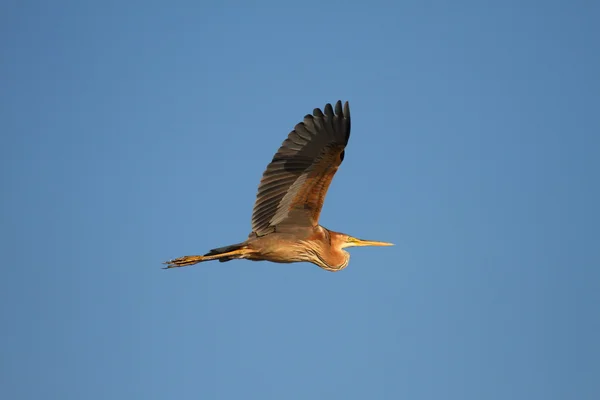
283	251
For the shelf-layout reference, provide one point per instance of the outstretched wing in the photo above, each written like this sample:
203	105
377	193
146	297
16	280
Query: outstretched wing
293	187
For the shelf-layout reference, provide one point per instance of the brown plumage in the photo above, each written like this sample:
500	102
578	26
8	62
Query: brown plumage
285	219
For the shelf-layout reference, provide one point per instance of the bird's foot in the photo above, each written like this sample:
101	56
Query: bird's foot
183	261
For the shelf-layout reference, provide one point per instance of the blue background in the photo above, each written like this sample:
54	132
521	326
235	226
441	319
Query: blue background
135	132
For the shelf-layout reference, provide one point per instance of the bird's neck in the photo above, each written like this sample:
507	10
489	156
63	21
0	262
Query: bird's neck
329	252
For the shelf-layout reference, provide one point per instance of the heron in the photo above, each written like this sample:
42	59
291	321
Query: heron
285	218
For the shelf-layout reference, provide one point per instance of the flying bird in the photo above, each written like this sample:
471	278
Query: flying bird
285	219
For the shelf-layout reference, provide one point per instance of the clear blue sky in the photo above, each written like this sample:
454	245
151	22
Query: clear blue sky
134	132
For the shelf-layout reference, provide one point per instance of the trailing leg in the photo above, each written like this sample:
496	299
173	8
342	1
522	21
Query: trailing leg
222	254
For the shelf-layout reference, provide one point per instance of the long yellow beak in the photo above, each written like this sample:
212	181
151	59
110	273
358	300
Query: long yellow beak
352	242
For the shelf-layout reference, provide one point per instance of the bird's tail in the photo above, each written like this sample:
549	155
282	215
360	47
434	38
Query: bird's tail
223	254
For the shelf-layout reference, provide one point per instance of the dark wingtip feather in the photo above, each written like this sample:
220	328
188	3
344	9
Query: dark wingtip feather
329	110
338	107
347	110
318	113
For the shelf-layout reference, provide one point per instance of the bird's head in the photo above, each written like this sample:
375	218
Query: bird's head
339	241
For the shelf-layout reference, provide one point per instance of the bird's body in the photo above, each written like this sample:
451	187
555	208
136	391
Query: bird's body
285	226
303	244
